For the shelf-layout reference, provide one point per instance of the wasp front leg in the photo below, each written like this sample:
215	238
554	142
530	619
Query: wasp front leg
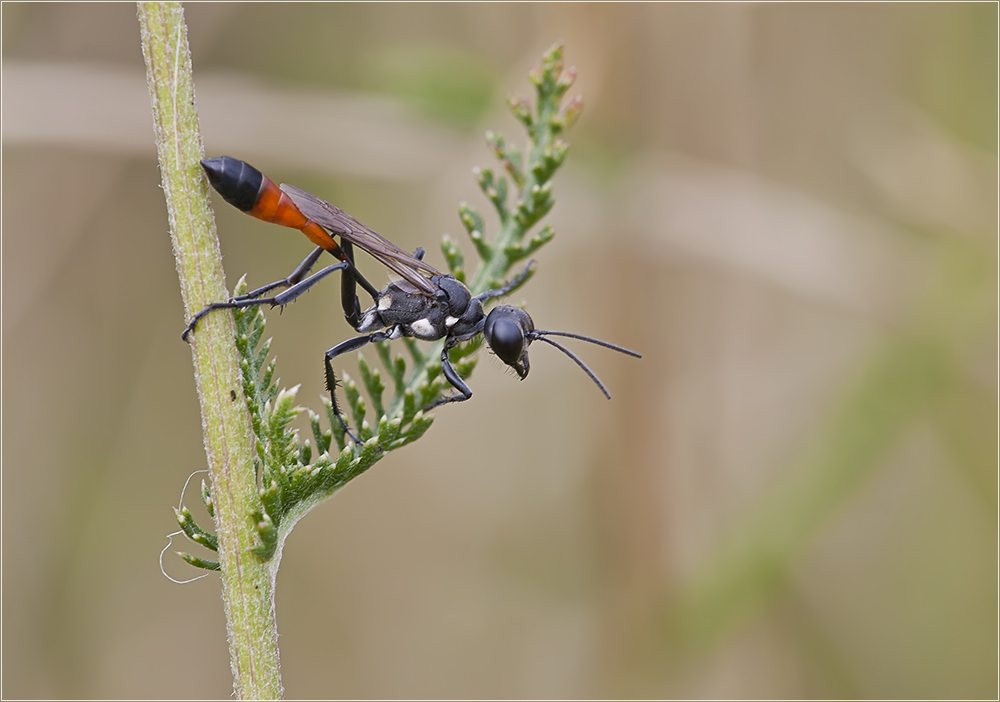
464	391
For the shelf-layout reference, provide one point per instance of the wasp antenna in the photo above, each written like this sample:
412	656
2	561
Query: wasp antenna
577	359
608	345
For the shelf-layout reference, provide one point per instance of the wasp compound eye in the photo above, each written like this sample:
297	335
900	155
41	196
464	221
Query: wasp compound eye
508	341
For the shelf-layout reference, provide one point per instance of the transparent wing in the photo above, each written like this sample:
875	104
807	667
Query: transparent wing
405	264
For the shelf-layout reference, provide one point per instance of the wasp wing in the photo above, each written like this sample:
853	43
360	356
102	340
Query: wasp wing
405	264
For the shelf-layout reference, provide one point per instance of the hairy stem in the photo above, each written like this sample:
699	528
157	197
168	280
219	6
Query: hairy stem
247	588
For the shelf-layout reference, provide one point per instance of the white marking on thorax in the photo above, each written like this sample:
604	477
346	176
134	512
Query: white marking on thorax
370	322
384	303
422	327
450	321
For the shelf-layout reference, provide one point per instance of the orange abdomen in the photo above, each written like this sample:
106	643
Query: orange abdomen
249	190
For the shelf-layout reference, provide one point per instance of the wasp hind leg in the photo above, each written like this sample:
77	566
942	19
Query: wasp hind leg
279	300
294	277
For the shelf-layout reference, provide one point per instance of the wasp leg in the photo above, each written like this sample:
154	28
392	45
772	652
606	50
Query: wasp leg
342	348
278	300
500	292
464	391
348	288
294	277
303	268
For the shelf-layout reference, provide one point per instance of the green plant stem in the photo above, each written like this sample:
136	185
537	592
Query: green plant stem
247	586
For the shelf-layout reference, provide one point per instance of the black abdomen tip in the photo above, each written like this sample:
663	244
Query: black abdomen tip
236	181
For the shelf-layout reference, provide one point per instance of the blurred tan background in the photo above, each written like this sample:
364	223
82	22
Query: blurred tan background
791	210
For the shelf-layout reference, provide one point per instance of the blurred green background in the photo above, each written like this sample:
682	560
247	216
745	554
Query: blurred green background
791	210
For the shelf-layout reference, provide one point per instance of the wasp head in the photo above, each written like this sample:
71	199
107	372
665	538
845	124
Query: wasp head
508	331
